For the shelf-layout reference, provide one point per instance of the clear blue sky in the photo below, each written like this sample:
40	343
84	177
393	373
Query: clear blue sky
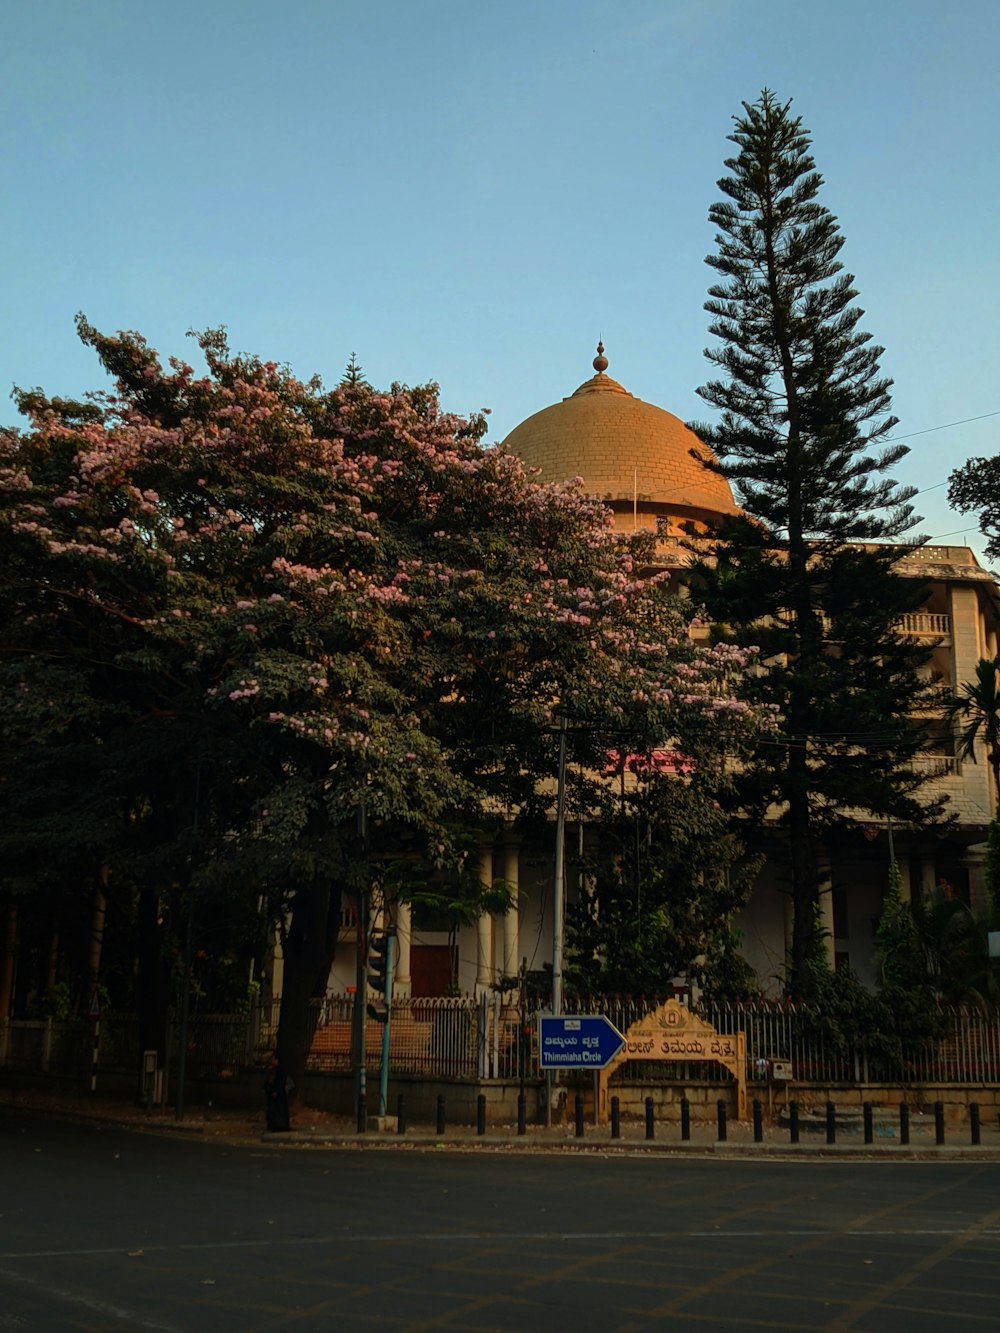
471	192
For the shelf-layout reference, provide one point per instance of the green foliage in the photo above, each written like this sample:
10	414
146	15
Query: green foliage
975	487
991	868
660	893
840	1011
956	951
903	981
261	637
725	975
897	944
802	407
977	708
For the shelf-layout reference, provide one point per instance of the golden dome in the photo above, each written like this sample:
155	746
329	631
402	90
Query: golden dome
623	448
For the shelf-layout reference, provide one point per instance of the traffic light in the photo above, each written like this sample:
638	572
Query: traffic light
380	962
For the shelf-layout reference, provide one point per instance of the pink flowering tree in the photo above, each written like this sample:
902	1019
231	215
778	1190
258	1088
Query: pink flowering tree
274	637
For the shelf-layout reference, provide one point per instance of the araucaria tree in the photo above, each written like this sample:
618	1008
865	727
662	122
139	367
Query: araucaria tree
262	640
807	572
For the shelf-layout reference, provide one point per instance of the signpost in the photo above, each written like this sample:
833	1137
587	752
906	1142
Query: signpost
586	1041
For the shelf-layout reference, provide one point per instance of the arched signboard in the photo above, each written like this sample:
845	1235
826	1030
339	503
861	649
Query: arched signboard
673	1033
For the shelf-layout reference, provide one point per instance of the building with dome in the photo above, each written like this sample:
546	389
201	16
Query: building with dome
644	463
654	473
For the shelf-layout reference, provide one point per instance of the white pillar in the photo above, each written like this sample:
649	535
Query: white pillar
826	912
905	885
928	878
511	919
484	928
403	984
979	898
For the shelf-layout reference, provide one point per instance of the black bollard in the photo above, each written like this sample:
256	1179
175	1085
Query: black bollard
650	1127
481	1114
720	1116
522	1113
869	1123
831	1123
400	1114
362	1115
685	1120
758	1121
578	1115
974	1123
616	1118
939	1123
440	1113
904	1122
793	1122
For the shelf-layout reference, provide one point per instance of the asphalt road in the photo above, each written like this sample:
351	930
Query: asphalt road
101	1229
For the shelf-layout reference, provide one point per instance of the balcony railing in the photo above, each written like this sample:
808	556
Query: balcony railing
933	624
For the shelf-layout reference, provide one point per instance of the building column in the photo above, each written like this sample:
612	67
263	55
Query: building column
511	921
975	864
905	885
484	927
403	983
8	952
928	876
826	913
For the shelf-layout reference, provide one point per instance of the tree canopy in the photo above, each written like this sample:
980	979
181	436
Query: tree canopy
260	636
975	488
807	570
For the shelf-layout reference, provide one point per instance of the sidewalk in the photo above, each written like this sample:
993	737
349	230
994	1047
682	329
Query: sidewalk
321	1129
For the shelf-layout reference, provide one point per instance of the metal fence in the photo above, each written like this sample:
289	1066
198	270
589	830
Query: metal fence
968	1050
439	1037
488	1038
218	1045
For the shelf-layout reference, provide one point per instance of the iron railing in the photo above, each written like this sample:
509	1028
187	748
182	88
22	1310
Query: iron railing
488	1038
967	1052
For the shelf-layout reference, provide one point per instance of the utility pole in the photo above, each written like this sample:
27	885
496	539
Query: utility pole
558	902
558	885
381	969
188	951
361	977
360	990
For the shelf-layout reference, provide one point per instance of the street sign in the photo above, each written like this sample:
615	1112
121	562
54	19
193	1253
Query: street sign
587	1041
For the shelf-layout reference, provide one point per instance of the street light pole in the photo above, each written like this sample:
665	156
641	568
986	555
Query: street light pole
558	886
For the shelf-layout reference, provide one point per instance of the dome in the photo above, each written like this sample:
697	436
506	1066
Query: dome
625	450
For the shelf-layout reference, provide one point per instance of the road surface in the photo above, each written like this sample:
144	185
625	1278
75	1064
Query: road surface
102	1229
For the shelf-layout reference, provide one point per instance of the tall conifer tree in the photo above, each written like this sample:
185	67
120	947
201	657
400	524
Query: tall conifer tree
808	571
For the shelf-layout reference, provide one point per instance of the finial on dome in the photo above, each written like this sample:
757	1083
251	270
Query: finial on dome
600	360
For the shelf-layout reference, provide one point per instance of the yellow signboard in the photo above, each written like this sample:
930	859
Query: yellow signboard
674	1033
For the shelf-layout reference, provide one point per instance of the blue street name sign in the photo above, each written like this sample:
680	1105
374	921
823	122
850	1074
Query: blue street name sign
587	1041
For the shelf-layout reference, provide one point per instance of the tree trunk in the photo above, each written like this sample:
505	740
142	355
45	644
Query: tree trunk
804	886
151	990
8	952
308	956
97	928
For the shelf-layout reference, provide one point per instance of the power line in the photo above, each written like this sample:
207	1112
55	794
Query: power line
929	430
955	532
